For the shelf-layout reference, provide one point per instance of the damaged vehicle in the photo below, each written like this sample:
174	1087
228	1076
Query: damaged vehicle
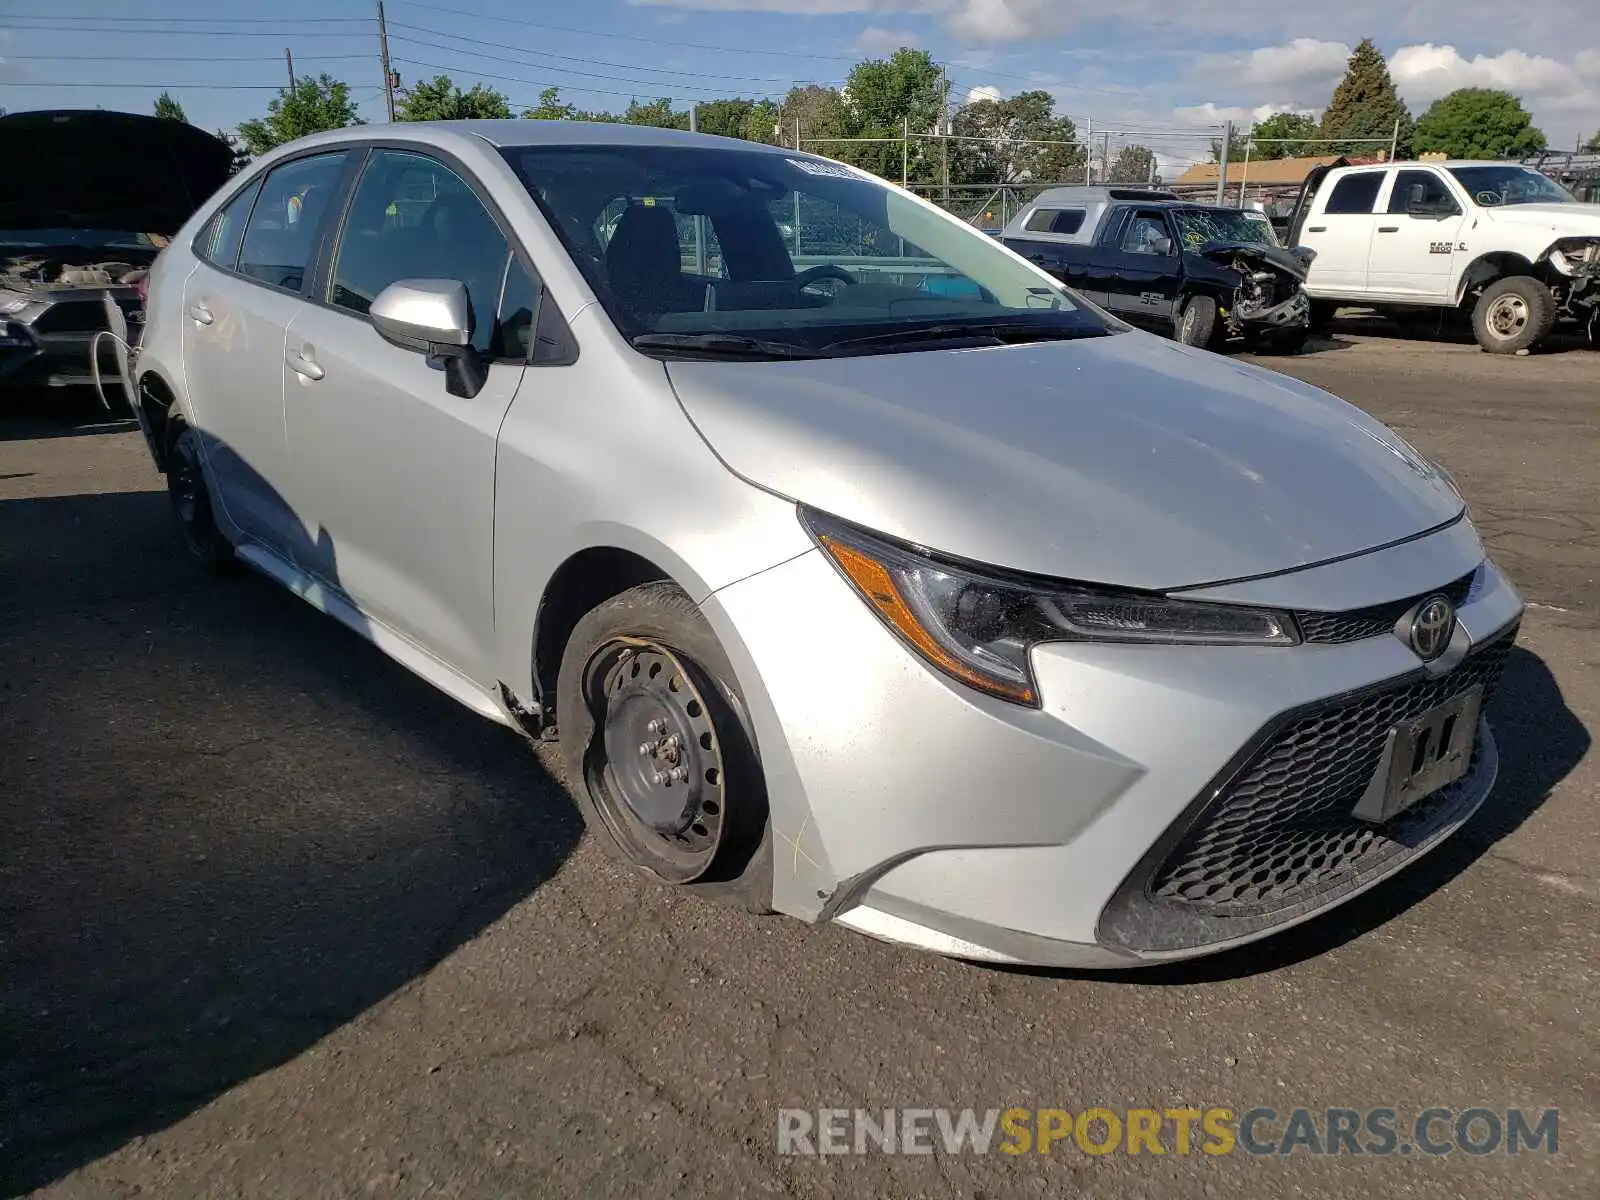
976	620
1423	242
91	198
1202	274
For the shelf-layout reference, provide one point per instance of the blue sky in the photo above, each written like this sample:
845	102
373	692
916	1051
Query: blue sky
1158	72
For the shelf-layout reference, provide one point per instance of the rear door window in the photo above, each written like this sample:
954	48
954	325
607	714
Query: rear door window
220	245
284	225
1355	194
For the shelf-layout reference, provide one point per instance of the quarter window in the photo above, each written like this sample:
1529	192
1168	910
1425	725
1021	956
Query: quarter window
226	231
283	226
412	217
1355	193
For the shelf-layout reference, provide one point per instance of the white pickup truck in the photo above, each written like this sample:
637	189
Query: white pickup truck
1498	240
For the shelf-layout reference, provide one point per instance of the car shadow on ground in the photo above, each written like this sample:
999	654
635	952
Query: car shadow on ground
1540	739
1445	327
232	826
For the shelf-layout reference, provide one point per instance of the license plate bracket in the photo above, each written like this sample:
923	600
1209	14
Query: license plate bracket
1421	755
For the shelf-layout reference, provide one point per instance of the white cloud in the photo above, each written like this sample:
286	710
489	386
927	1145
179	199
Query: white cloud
1211	114
1304	61
1424	73
985	92
885	41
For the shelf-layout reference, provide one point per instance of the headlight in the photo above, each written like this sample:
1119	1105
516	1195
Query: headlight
979	627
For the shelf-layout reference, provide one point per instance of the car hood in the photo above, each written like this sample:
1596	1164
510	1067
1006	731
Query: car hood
1123	459
1295	262
106	170
1563	220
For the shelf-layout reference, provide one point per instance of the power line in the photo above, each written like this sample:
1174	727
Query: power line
626	37
205	20
651	83
188	31
597	62
173	87
206	58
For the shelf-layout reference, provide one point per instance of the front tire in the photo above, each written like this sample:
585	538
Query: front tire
191	502
1513	314
659	749
1197	323
1286	341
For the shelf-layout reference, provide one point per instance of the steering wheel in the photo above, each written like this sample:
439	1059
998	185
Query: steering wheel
823	271
1488	199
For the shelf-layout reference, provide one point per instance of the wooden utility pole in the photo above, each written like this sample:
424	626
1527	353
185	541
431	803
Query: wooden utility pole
944	134
383	53
1222	163
288	60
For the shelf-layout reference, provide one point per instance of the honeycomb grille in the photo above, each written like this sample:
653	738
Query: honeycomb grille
1282	830
1359	624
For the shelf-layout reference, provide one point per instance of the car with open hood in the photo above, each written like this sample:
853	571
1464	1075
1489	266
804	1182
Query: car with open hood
1201	273
90	199
862	570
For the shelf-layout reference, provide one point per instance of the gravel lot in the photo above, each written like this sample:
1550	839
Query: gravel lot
276	919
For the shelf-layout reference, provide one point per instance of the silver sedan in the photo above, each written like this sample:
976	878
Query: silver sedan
864	572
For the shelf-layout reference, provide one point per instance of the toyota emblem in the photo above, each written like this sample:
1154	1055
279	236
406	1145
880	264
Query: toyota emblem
1432	626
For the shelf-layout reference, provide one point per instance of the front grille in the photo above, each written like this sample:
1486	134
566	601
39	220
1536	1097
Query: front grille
1358	624
1278	837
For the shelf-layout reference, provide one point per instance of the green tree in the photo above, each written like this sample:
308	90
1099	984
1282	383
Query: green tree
1365	107
311	106
1478	123
657	113
1013	141
1270	136
1134	164
438	99
168	108
816	112
552	107
1592	146
752	120
881	97
1236	147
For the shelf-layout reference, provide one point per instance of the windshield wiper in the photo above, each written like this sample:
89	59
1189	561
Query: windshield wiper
987	333
722	345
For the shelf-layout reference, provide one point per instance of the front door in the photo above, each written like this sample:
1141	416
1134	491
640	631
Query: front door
237	304
394	476
1416	238
1138	269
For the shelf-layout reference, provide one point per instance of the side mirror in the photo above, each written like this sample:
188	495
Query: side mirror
420	314
433	316
1161	245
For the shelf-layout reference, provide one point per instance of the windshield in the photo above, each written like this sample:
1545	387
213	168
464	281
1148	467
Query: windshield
790	249
1493	186
91	238
1201	225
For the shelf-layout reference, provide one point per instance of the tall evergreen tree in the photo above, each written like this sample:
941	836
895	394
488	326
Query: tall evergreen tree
168	108
1365	107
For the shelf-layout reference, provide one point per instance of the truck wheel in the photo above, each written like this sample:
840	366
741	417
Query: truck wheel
1514	313
1286	341
658	747
1322	314
1197	323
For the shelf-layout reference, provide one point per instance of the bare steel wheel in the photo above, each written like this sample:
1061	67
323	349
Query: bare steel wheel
658	779
659	749
1513	314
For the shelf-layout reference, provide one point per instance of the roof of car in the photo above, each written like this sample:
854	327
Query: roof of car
1432	162
525	132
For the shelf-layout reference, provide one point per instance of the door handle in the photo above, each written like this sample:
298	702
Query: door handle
1388	229
301	363
200	314
1316	229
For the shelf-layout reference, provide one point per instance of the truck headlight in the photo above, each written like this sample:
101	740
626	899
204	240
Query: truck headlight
978	626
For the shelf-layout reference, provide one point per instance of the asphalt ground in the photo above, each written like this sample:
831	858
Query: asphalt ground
277	919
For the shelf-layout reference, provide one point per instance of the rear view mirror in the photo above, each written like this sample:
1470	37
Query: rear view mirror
433	316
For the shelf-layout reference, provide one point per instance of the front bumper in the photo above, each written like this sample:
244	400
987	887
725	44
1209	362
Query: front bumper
1292	313
913	809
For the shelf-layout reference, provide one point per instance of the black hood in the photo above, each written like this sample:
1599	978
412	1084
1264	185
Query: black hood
91	169
1296	260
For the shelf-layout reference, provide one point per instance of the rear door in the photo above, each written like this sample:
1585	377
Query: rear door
1340	227
1417	237
1137	265
237	303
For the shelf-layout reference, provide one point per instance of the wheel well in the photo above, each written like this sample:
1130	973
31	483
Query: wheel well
156	399
1487	269
586	580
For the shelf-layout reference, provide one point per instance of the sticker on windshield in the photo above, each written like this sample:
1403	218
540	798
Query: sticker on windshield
816	166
